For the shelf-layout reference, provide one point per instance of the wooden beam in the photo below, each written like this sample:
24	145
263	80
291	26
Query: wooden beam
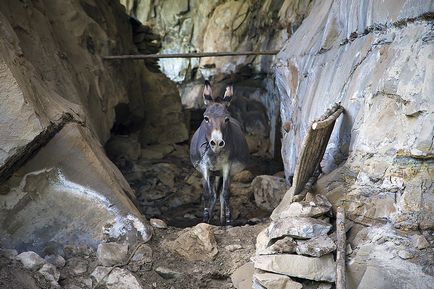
341	246
189	55
329	120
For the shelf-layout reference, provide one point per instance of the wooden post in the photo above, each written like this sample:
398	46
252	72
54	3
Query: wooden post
341	243
189	55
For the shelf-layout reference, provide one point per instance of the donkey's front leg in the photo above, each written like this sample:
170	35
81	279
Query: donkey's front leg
209	197
225	210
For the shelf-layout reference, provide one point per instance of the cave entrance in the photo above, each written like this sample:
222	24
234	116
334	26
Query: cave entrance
159	171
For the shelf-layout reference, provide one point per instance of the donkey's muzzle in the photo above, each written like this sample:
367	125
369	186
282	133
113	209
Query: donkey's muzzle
216	145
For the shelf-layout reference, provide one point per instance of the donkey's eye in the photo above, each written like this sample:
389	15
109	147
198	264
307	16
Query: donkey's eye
226	119
206	119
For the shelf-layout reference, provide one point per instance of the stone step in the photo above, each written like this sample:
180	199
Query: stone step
317	269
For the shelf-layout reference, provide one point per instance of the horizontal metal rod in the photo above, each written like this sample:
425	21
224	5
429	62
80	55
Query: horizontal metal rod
190	55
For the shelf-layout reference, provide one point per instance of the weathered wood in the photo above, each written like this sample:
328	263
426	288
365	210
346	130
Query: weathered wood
313	149
341	246
327	121
189	55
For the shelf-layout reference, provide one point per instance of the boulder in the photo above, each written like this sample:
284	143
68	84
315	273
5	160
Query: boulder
50	273
420	242
244	176
195	244
123	146
276	281
121	279
75	266
298	227
56	260
142	258
157	151
31	260
317	269
268	191
110	254
242	276
316	247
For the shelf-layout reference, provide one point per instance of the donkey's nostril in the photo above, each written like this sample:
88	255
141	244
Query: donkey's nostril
212	143
221	144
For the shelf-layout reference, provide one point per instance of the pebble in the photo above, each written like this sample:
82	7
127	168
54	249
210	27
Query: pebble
234	247
403	254
157	223
167	273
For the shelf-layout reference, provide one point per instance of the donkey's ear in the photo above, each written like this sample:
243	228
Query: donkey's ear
207	93
229	93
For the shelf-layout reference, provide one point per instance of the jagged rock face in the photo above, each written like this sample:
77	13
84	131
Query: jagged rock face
374	59
51	67
195	25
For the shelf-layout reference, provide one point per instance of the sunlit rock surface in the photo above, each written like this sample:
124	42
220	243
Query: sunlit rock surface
50	66
376	58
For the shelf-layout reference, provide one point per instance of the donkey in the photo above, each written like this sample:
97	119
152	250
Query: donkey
218	150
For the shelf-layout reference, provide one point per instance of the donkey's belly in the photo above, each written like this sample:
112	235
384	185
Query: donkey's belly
219	163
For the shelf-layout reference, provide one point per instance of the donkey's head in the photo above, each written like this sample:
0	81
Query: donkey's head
216	117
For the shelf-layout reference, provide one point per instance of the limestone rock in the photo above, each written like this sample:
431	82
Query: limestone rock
312	207
100	272
76	266
31	260
276	281
316	247
318	269
404	254
282	246
157	223
268	191
158	151
233	247
243	177
298	227
56	260
9	253
142	258
167	273
242	277
112	253
122	279
50	272
197	243
420	242
121	146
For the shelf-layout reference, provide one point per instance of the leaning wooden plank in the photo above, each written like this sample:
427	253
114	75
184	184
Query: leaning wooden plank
313	147
190	55
340	253
327	121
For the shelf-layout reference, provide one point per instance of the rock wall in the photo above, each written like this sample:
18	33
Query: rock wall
376	58
225	25
51	67
228	25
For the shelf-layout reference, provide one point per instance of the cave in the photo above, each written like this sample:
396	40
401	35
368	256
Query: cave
99	104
